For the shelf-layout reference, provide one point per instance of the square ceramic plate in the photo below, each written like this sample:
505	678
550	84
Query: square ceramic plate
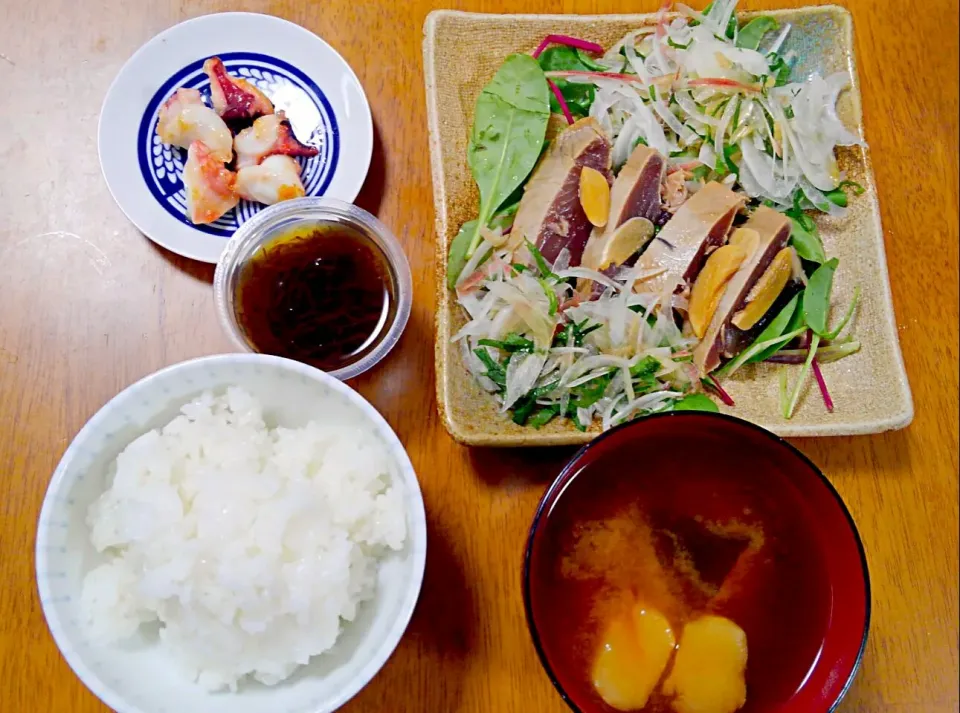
462	51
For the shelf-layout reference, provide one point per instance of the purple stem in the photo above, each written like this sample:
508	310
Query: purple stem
561	101
786	359
569	42
714	385
827	401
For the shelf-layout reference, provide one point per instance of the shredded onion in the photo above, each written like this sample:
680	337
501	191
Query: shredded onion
588	274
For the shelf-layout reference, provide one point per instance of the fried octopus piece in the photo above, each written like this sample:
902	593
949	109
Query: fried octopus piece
210	186
234	98
184	118
275	179
269	136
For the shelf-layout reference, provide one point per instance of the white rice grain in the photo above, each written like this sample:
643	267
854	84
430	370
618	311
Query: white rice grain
251	546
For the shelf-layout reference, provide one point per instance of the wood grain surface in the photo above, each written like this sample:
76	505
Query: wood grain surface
88	305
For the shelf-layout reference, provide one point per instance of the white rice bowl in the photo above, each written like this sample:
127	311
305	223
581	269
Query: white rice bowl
248	544
319	493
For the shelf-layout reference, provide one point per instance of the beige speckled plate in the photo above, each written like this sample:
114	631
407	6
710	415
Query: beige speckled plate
461	53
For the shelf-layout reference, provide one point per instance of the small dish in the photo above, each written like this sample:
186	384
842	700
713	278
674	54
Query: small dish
140	677
463	50
271	222
805	528
298	71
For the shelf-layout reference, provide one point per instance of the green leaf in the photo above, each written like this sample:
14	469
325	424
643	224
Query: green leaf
732	26
781	324
837	197
695	402
700	173
792	404
544	416
579	96
756	348
784	390
538	258
835	332
779	68
521	412
645	368
513	342
526	405
728	153
590	63
509	128
806	242
816	298
580	332
858	190
751	33
541	391
508	211
560	58
587	394
457	258
551	296
495	372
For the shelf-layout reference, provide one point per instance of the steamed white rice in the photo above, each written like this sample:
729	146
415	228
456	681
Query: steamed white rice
249	545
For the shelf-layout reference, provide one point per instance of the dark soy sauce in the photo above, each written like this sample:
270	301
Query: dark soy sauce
322	294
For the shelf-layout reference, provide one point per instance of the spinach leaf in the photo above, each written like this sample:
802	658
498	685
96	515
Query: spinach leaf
700	173
521	412
509	127
544	416
695	402
552	301
646	367
458	251
579	96
526	405
458	246
751	33
816	298
589	393
590	63
495	372
728	153
789	319
805	239
541	262
510	205
513	342
779	68
577	331
644	374
838	197
858	190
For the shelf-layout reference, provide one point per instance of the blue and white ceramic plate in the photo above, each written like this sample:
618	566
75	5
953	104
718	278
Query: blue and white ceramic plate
300	73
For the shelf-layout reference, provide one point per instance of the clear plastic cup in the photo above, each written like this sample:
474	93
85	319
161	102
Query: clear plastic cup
271	222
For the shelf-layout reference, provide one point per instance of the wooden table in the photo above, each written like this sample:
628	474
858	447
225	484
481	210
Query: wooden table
88	305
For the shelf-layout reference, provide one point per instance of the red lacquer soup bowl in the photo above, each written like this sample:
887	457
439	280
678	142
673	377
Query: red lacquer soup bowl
699	514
